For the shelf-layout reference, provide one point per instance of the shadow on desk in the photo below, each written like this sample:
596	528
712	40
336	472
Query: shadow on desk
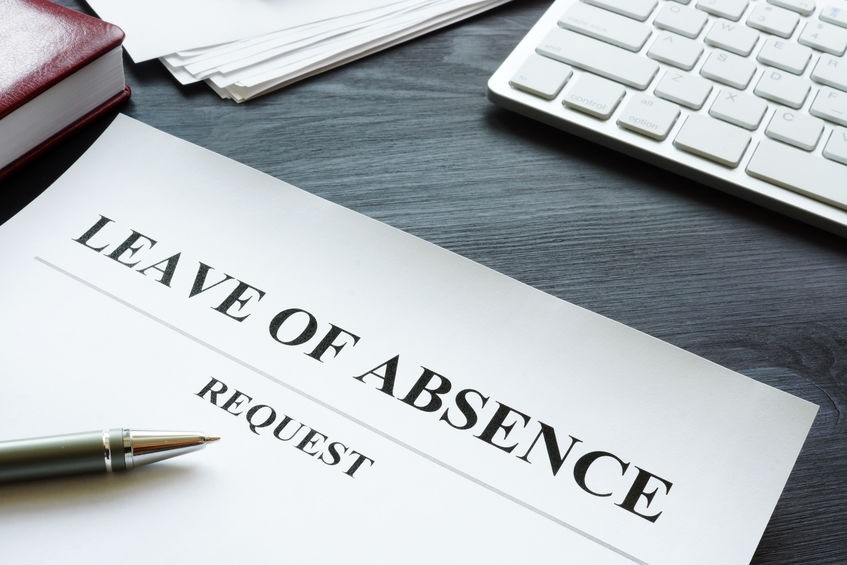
621	169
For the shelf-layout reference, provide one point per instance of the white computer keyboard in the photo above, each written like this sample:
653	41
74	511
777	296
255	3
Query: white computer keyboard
749	96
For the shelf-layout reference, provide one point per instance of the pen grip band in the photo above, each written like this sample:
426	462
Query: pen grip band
86	452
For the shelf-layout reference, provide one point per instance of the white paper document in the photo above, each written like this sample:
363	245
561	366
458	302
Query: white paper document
158	27
246	48
380	400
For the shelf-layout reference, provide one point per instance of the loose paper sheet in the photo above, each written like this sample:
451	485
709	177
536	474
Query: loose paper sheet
247	48
160	27
380	400
230	56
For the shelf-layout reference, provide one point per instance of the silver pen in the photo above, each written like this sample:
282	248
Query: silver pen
102	451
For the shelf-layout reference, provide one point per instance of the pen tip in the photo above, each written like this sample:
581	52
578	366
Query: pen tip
212	438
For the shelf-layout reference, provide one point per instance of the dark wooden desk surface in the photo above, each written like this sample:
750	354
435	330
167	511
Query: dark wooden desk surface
408	137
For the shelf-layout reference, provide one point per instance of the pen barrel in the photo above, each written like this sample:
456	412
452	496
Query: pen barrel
70	454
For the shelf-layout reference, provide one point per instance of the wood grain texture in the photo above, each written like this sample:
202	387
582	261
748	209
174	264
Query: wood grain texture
407	136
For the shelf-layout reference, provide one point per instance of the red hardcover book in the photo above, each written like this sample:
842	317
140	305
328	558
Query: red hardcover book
59	69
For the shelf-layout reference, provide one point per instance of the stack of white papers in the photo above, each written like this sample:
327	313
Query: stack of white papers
246	48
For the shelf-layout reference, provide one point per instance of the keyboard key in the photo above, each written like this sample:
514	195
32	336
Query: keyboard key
830	105
739	108
675	50
649	116
783	88
834	15
736	38
803	7
541	76
799	171
606	26
729	9
637	9
836	147
796	129
679	19
717	141
785	55
773	20
831	71
595	96
599	58
824	37
729	69
683	88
